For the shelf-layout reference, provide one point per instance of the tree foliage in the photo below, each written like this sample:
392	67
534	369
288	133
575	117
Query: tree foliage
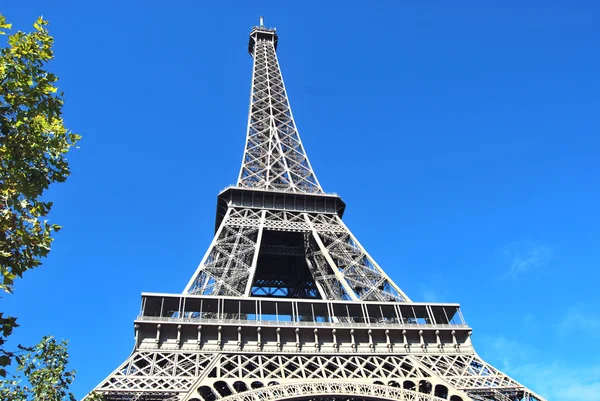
33	146
45	370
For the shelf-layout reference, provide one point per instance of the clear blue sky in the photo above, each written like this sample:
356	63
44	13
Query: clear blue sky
463	135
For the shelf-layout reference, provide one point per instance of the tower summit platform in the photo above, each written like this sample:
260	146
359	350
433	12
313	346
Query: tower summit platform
260	32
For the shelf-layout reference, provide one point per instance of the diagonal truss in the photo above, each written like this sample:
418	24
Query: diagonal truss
193	375
340	266
274	157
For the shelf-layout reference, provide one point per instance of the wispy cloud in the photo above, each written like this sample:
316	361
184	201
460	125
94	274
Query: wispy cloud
554	380
560	381
581	319
523	257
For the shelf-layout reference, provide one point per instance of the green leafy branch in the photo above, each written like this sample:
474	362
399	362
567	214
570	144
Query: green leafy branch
33	147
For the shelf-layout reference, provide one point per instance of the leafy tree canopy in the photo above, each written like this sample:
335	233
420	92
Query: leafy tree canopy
45	370
33	146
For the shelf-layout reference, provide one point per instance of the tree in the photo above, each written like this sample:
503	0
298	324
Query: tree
33	147
44	367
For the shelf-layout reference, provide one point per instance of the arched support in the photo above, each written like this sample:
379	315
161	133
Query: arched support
328	389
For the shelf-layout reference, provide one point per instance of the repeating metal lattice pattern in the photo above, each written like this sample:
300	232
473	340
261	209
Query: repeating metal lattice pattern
467	371
316	367
340	266
227	264
481	380
349	263
326	390
274	157
157	371
166	374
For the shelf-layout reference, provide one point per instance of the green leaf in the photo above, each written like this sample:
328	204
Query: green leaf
34	143
4	24
4	360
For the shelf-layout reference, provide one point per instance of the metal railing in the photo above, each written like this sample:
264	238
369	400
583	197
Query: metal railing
299	324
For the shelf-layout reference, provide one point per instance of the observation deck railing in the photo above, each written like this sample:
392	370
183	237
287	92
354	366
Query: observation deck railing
188	308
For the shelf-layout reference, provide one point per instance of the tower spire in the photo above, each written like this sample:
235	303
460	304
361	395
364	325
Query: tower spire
274	157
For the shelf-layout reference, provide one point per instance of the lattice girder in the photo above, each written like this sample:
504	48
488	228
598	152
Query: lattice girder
274	157
340	266
188	375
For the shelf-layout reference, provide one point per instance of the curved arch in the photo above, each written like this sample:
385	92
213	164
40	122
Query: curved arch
441	391
207	394
327	389
409	385
425	386
240	387
222	388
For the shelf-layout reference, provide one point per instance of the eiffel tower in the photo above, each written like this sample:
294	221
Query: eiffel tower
287	304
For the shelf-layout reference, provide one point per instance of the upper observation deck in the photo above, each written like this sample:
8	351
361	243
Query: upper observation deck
261	32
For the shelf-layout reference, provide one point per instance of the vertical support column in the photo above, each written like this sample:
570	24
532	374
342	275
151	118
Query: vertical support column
263	217
207	254
338	274
374	263
431	314
317	284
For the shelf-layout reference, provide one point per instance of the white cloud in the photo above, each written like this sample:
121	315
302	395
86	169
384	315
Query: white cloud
561	381
553	380
581	319
511	353
525	256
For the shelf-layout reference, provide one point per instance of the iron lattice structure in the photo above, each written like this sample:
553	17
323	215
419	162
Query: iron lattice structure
286	303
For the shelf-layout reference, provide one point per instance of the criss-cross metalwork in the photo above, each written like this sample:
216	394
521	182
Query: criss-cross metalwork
274	158
339	266
287	304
